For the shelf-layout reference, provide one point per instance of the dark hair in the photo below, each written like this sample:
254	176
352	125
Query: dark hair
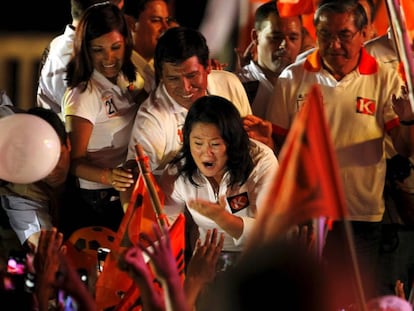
78	7
263	11
371	4
219	111
178	44
97	20
53	119
352	7
134	8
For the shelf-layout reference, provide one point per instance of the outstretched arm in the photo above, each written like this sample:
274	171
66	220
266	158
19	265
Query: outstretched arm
134	263
165	267
201	269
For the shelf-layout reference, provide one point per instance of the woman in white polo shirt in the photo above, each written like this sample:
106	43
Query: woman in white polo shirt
99	110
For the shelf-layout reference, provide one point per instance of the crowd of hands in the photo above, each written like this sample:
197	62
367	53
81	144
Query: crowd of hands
55	272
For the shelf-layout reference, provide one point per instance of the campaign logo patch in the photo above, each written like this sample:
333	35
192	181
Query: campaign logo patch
238	202
365	106
180	133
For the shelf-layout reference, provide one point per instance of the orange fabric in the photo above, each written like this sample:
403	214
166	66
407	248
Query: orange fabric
177	234
408	9
139	217
295	7
307	184
367	65
112	280
381	21
307	22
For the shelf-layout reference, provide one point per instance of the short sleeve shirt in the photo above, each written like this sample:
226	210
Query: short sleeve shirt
358	112
112	111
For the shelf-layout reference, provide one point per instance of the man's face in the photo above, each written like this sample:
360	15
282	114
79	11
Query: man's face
185	82
278	42
151	24
339	42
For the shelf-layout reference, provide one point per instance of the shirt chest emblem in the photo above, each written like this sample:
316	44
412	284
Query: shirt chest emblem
238	202
365	106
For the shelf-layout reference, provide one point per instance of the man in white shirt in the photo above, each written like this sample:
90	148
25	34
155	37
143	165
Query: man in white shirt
278	41
148	20
183	75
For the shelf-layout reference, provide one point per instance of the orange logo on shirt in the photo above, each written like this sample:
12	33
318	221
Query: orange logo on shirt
365	106
238	202
180	134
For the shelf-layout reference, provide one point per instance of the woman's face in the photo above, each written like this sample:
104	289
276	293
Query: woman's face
208	150
107	53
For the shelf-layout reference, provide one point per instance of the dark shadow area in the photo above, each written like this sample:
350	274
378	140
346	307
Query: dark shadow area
38	16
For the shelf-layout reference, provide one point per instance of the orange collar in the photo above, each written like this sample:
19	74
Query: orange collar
367	64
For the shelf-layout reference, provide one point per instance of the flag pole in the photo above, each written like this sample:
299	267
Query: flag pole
142	160
351	247
401	41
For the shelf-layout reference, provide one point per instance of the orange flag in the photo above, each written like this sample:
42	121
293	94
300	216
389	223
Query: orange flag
114	288
288	8
307	184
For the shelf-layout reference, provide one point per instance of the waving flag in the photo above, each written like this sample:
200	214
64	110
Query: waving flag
307	184
403	43
114	288
295	7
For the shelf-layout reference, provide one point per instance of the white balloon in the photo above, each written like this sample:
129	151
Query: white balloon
29	148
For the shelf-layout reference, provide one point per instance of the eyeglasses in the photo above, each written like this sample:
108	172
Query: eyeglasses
344	36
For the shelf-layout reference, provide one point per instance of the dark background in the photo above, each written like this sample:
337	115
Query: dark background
48	18
51	16
39	16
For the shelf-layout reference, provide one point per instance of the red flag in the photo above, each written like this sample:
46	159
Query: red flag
307	184
288	8
130	301
114	288
403	43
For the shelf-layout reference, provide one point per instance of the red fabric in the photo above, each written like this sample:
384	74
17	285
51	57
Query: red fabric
295	7
139	217
177	235
307	184
408	9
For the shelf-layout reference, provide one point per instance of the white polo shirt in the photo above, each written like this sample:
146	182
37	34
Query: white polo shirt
112	111
358	111
241	201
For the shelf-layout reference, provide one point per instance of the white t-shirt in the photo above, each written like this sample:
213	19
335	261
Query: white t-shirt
52	84
252	72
